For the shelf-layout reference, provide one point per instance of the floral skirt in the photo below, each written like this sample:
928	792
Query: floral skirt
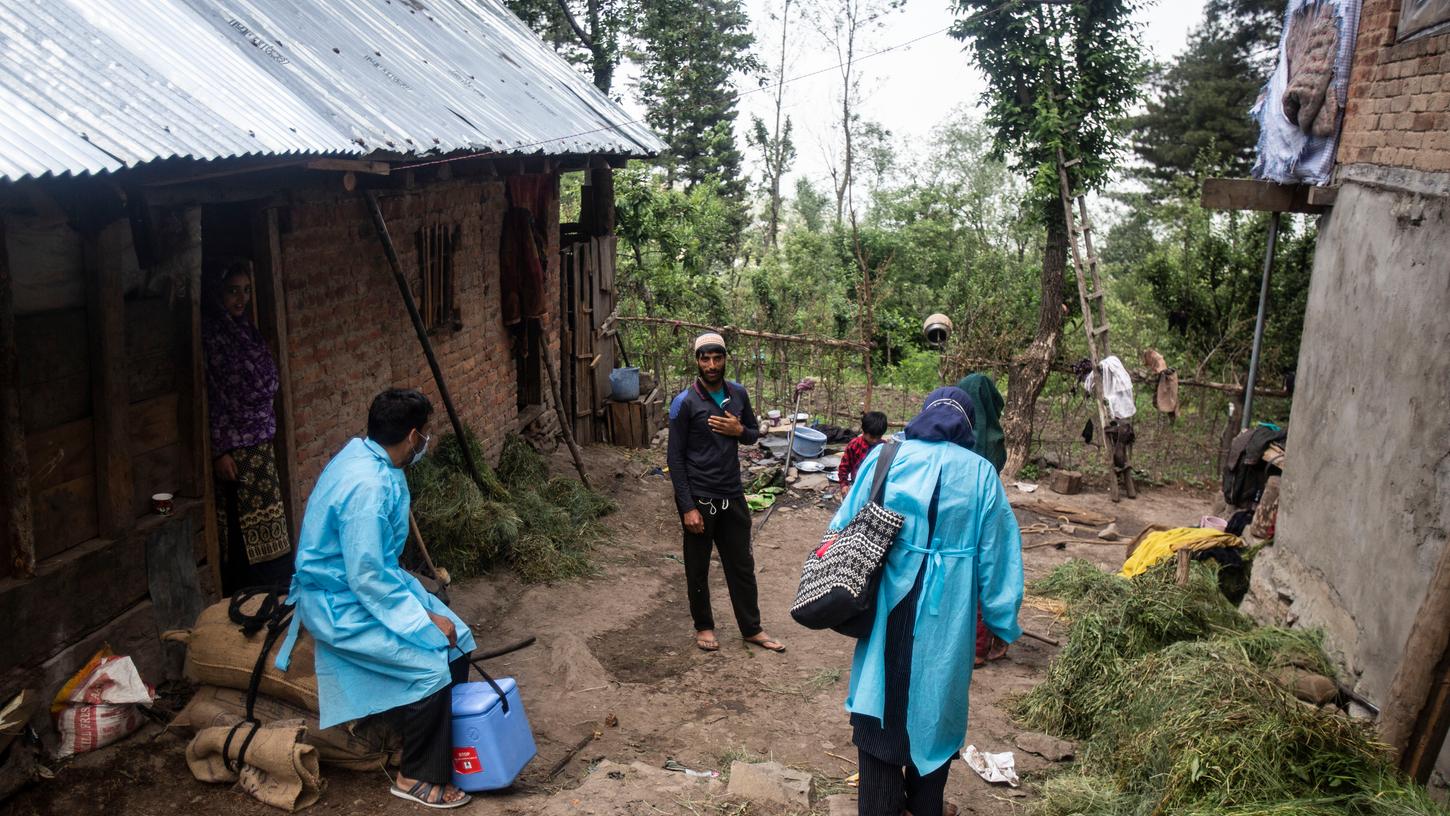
250	512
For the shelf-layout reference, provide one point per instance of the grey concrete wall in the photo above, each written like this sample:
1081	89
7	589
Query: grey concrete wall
1366	495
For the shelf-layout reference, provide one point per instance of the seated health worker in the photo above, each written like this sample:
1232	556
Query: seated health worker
385	646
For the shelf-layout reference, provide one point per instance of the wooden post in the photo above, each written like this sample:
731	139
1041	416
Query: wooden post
267	254
1181	575
106	314
601	218
1418	704
565	424
17	529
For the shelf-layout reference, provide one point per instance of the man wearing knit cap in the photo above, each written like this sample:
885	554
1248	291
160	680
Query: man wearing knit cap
708	421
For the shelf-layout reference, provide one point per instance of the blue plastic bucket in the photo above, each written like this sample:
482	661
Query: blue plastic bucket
624	384
808	443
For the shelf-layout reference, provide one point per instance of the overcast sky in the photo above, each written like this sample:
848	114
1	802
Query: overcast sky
908	90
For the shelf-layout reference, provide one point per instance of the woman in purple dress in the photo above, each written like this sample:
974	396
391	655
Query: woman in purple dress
241	386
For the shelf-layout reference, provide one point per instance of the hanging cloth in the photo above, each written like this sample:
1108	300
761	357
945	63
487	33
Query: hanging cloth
1117	387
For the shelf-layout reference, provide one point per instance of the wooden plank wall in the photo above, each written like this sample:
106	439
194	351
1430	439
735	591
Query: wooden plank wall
105	394
55	387
17	528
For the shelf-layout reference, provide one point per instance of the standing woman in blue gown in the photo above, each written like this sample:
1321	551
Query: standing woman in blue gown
958	550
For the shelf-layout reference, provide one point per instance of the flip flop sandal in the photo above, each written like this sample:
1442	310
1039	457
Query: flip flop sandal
707	644
421	792
779	647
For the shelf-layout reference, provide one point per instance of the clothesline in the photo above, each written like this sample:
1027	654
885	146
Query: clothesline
733	330
1064	368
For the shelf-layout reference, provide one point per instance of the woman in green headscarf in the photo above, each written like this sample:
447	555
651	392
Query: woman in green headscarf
986	425
990	444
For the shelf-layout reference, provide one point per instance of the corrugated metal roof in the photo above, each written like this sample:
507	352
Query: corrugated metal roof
91	86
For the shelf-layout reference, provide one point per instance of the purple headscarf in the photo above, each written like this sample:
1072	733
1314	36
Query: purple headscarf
946	416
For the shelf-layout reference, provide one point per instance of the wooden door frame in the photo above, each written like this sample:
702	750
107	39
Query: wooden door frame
271	302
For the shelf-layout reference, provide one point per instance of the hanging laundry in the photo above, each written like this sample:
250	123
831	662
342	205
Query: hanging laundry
1300	107
521	272
1117	387
1165	394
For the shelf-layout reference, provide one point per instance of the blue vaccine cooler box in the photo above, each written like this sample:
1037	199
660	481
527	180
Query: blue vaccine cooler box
492	741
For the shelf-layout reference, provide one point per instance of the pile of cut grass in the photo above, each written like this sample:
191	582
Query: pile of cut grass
541	527
1172	694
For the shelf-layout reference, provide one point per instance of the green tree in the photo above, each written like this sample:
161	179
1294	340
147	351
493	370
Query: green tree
1060	79
692	52
810	205
595	45
776	145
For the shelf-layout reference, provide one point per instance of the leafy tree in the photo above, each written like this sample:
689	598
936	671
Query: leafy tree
1191	279
846	25
673	244
776	145
1060	78
1197	117
595	45
810	204
691	55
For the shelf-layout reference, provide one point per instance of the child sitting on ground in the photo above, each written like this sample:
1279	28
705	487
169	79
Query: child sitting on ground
873	427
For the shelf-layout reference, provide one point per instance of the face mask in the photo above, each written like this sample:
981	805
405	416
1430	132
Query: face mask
418	454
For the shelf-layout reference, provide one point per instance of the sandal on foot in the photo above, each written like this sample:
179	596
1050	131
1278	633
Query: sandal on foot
422	793
707	644
766	644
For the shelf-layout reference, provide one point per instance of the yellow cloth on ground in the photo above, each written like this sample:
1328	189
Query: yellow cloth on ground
1156	544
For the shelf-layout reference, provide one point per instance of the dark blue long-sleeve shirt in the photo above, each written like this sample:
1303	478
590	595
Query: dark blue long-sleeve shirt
705	464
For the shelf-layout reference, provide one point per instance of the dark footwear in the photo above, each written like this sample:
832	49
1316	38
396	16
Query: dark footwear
707	644
769	644
998	649
422	793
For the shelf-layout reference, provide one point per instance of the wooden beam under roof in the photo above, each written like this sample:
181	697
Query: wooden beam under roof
1264	196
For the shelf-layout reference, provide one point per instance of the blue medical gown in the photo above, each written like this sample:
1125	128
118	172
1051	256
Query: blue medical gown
377	648
974	555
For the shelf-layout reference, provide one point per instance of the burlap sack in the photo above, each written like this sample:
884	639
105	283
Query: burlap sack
278	769
356	748
218	654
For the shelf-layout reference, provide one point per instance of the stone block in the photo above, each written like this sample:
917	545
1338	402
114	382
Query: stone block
771	782
1066	482
1048	747
841	804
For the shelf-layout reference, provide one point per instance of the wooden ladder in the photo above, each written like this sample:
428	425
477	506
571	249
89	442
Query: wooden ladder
1091	297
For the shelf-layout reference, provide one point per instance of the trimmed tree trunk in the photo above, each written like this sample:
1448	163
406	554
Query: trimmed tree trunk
1028	372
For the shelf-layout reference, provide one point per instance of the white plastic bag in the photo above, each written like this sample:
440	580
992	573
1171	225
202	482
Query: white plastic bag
98	705
995	768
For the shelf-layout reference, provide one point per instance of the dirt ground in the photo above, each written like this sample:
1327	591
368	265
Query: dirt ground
615	661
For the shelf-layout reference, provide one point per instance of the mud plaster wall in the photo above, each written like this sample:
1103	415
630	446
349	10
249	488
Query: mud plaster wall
1366	498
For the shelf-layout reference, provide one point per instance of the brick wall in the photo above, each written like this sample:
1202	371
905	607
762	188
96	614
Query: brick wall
1398	113
350	335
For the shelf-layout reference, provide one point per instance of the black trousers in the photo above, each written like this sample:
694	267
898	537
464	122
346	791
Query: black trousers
727	528
889	790
427	730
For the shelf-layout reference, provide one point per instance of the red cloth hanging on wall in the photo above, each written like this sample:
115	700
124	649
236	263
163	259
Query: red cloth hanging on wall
521	248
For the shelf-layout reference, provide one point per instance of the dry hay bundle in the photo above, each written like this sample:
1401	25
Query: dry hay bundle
1173	694
541	527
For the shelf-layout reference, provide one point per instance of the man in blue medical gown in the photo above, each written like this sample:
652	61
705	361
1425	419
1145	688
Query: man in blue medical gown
383	643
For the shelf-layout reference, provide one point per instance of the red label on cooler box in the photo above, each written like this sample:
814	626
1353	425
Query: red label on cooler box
465	761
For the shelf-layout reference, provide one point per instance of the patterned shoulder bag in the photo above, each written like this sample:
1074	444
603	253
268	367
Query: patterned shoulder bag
840	577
